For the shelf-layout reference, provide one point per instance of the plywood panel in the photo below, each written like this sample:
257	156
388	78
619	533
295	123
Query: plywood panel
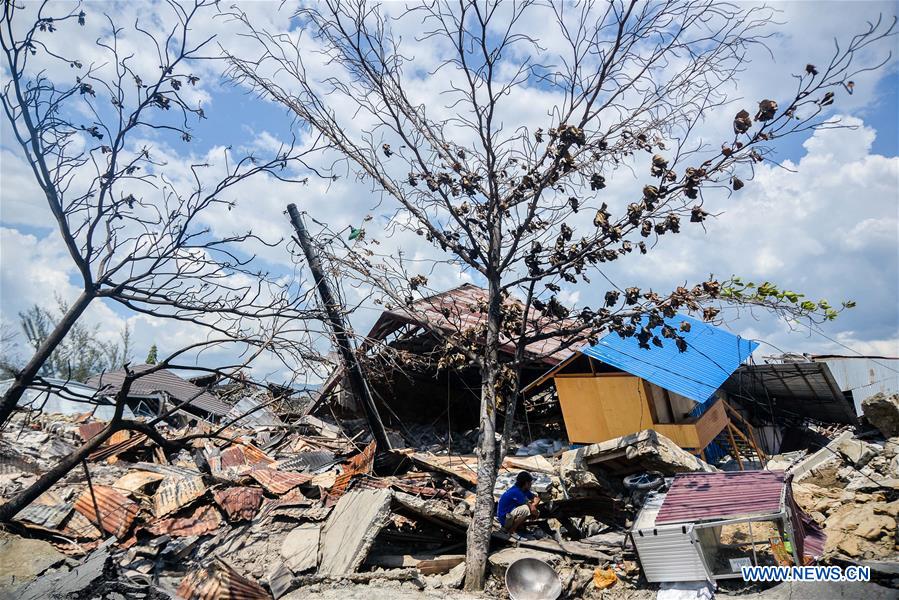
581	409
684	436
602	407
711	423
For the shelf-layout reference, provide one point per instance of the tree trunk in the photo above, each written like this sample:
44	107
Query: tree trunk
478	539
27	375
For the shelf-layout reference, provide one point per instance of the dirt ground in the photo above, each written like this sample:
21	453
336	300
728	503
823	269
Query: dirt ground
796	591
377	592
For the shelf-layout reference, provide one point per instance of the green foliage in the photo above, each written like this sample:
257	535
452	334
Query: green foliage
769	295
82	353
152	357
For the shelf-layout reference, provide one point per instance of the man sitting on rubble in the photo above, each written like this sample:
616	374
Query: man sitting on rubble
517	504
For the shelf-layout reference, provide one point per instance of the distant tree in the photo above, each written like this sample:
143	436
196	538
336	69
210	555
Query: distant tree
81	354
152	355
521	206
8	350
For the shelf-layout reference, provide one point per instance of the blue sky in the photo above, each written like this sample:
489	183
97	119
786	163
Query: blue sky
829	230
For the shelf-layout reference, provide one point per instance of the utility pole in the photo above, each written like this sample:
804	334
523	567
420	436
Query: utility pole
358	383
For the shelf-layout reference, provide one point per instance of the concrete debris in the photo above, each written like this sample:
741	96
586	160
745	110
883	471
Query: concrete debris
882	411
849	488
350	531
855	451
590	469
300	548
24	560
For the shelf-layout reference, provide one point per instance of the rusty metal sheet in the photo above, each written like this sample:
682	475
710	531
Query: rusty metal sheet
73	549
360	464
291	504
48	510
118	437
134	481
364	461
232	457
117	512
203	520
219	581
90	430
255	456
239	503
78	527
278	482
175	492
108	450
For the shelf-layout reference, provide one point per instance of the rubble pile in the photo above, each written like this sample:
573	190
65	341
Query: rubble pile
850	487
270	508
262	510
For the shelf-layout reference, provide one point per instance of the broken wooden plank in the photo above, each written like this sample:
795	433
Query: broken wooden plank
427	564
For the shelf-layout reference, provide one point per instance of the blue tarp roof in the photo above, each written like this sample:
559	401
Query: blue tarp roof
711	356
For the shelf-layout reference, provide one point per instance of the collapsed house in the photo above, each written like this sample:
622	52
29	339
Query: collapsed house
709	525
783	391
153	394
404	355
616	388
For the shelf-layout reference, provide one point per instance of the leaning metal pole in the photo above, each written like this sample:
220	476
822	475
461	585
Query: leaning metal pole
357	381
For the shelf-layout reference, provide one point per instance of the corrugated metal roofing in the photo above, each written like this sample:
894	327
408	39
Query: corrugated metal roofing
712	355
697	497
864	376
203	520
794	389
278	482
219	581
239	503
117	512
165	381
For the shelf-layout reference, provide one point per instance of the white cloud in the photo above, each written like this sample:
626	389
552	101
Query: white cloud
829	229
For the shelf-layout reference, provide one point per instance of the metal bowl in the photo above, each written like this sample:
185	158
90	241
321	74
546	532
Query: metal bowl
532	579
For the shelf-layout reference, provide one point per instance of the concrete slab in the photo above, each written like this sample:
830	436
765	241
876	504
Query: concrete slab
300	548
24	559
350	531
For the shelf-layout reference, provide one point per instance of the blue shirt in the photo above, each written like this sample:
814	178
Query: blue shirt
511	499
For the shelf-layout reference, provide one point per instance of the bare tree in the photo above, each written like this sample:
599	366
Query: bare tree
133	227
520	205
